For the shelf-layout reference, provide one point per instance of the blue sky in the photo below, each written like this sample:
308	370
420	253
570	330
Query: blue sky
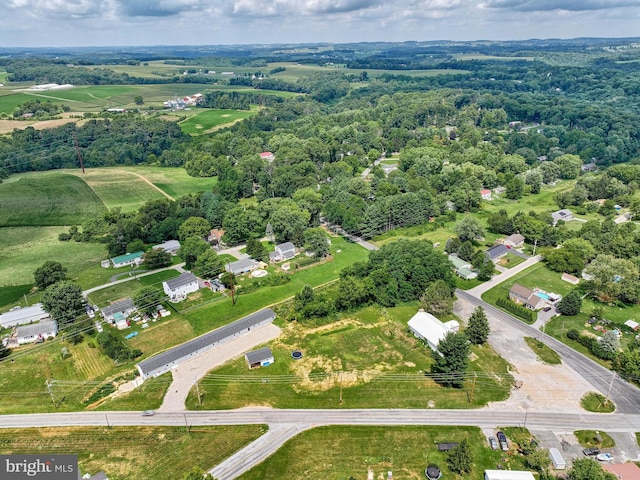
209	22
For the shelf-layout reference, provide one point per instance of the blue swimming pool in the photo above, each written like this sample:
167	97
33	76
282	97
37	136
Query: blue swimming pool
543	296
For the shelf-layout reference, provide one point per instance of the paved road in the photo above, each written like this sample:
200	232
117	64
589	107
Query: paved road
498	279
625	396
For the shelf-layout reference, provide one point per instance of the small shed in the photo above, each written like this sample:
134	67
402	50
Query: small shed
633	325
559	463
262	357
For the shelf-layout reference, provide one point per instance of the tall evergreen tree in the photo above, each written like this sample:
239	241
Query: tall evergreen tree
478	327
451	359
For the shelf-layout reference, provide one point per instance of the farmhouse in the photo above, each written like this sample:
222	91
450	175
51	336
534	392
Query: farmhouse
508	475
524	296
165	361
36	333
284	251
124	308
427	327
128	259
496	252
485	194
242	266
170	246
22	316
178	288
262	357
268	156
514	241
564	215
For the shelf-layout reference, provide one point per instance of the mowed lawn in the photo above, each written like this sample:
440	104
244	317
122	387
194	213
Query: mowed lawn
206	120
47	199
140	453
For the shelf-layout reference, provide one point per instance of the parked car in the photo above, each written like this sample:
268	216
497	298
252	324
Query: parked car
493	443
546	309
148	413
502	439
590	452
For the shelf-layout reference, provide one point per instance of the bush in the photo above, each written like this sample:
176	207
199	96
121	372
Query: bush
516	309
592	344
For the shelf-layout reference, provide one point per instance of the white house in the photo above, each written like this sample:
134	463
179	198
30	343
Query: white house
170	246
563	214
427	327
485	194
121	309
284	251
134	258
23	316
242	266
37	332
178	288
514	241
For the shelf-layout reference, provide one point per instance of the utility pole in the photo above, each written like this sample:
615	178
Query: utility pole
195	380
48	383
25	299
340	387
535	244
473	386
606	399
107	419
187	423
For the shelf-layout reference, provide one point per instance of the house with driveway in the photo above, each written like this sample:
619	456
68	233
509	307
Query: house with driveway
564	215
526	297
496	252
284	251
514	241
134	258
118	310
178	288
462	267
242	266
170	246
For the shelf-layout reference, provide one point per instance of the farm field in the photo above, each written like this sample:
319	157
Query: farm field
342	452
47	199
209	120
366	358
141	453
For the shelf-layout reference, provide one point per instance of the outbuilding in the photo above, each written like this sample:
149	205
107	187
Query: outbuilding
23	316
170	246
262	357
124	308
428	328
559	463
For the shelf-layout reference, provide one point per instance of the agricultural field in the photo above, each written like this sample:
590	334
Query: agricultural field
47	199
141	453
343	452
209	120
366	359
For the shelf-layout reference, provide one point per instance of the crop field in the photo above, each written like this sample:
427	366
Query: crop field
366	359
46	200
141	453
341	452
207	121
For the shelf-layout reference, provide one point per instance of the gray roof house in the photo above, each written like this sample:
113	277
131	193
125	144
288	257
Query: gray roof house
284	251
259	358
525	296
37	332
514	241
165	361
181	286
563	214
170	246
458	262
22	316
123	307
496	252
241	266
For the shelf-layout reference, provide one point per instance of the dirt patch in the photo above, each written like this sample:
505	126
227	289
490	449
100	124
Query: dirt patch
409	364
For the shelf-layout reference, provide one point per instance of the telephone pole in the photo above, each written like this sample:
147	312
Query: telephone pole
195	380
340	387
606	399
48	383
473	387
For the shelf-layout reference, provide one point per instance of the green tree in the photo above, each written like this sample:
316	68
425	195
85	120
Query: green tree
289	223
157	258
515	188
466	251
627	363
304	297
453	245
438	298
197	474
64	302
138	100
569	165
478	327
613	278
570	304
147	299
208	264
256	250
194	227
460	458
610	342
316	241
538	460
4	351
588	469
135	245
451	360
191	249
469	228
49	273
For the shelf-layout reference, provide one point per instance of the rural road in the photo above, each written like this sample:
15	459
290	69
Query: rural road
128	279
498	279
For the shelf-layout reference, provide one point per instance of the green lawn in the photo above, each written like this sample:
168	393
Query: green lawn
343	452
142	453
47	199
127	289
146	397
545	354
205	120
589	438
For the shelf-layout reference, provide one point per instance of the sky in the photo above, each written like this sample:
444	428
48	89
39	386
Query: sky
60	23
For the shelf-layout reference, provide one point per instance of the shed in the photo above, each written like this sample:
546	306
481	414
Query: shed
632	324
262	357
22	316
559	463
508	475
427	327
572	279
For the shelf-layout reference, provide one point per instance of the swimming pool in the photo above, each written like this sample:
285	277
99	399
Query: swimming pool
543	296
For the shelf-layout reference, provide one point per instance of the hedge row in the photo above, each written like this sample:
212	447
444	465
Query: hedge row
592	344
516	309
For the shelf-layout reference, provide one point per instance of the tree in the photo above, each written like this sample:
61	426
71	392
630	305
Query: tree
256	250
613	278
451	360
4	351
49	273
460	458
538	460
316	241
268	232
570	304
147	299
478	327
627	363
191	248
453	245
438	298
64	302
466	251
197	474
515	188
157	258
208	264
588	469
569	165
138	100
610	342
194	227
469	228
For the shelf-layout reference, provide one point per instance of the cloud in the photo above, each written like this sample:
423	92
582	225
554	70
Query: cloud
566	5
157	8
59	8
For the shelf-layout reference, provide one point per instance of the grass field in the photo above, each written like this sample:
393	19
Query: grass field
545	354
367	358
126	289
206	121
141	453
148	396
47	199
343	452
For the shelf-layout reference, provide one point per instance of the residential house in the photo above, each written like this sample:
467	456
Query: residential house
563	214
514	241
178	288
134	258
268	156
526	297
170	246
572	279
589	167
466	273
462	267
496	252
262	357
23	316
499	190
165	361
284	251
124	308
428	328
485	194
242	266
36	333
623	471
215	237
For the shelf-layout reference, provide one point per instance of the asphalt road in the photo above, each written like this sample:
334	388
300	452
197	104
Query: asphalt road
625	396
